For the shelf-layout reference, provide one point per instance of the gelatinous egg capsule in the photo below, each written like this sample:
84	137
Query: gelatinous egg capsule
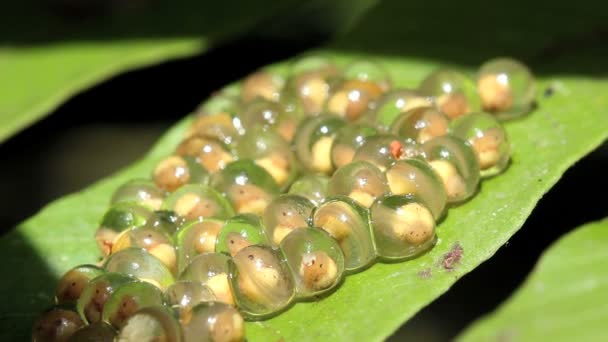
393	103
56	324
488	138
152	323
280	116
270	151
313	142
141	191
127	299
311	186
167	221
239	232
315	259
195	239
221	127
348	223
210	269
211	154
214	322
154	240
261	281
120	217
310	83
262	84
184	295
417	178
225	101
403	227
284	214
420	124
137	262
196	201
248	187
360	180
95	332
94	296
455	94
368	71
384	149
173	172
351	98
73	282
348	139
456	164
506	88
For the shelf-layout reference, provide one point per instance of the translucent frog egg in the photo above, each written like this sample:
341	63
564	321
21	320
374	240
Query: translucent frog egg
348	139
196	201
310	83
222	102
173	172
239	232
141	191
96	293
120	217
393	103
211	154
455	94
184	295
127	299
403	227
488	138
195	239
420	124
261	281
368	71
348	223
311	186
506	88
280	116
270	151
56	324
167	221
262	84
248	187
96	332
137	262
211	270
73	282
384	149
313	142
315	259
456	164
360	180
214	322
152	323
352	98
417	178
154	240
222	127
284	214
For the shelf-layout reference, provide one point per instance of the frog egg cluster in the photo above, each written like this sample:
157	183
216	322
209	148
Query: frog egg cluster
279	189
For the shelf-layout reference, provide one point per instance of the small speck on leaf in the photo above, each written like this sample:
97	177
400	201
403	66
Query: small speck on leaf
425	273
452	258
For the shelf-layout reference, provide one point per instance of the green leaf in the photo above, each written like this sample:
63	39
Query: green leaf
563	299
370	305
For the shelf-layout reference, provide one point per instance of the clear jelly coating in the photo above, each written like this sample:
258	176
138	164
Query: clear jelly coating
120	217
248	187
95	332
455	93
197	201
313	142
195	239
403	227
141	191
348	223
222	102
214	322
270	151
315	259
56	324
96	293
352	98
348	139
73	282
420	124
262	84
173	172
239	232
211	154
210	269
384	149
368	71
152	323
414	176
488	138
261	281
506	88
185	294
393	103
360	180
167	221
456	164
311	186
137	262
153	239
221	127
127	299
310	83
311	62
280	116
284	214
